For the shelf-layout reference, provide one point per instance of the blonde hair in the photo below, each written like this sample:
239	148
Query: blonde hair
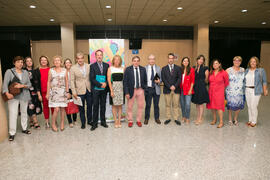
238	57
79	54
151	56
113	60
258	65
57	56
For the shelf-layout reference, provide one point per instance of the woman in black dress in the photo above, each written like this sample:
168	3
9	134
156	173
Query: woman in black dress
34	106
200	96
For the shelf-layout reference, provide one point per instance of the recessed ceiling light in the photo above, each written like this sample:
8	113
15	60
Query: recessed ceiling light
263	23
52	20
32	6
165	20
244	10
179	8
109	19
108	7
216	22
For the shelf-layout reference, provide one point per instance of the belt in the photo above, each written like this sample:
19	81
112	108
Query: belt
250	87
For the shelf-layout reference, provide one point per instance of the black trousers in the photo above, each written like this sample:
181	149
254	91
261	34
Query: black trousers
99	106
150	93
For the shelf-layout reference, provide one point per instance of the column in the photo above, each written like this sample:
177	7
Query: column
3	112
201	42
68	40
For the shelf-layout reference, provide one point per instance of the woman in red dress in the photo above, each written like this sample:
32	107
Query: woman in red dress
42	74
218	81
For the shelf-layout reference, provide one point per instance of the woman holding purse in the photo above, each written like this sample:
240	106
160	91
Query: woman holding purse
68	64
22	83
255	85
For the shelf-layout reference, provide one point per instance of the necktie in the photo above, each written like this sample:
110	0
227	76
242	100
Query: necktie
100	68
137	77
171	69
152	76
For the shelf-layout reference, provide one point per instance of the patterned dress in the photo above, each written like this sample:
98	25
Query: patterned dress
117	86
58	88
235	91
34	106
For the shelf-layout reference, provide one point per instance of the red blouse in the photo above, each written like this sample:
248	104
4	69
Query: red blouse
44	79
188	80
217	85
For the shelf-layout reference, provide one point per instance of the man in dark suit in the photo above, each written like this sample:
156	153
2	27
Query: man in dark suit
171	77
98	74
135	81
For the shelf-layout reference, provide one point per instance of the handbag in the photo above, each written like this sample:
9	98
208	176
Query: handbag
11	87
71	108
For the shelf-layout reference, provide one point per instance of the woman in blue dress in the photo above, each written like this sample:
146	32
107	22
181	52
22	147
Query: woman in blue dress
235	94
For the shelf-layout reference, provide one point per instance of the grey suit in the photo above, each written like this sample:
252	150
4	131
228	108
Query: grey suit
152	92
158	71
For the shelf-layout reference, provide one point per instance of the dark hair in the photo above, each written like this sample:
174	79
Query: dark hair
17	58
212	63
136	57
199	57
99	50
170	54
28	57
183	67
48	63
67	59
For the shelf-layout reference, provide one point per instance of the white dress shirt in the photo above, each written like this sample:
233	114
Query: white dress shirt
83	69
171	66
134	68
149	72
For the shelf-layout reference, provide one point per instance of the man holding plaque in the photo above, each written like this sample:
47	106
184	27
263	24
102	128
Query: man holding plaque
98	73
152	90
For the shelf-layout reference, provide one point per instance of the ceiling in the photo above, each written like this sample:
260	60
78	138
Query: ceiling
136	12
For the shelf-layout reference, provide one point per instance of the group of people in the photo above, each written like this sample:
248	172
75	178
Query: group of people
50	88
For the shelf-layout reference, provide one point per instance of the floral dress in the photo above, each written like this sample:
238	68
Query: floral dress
34	106
58	88
235	91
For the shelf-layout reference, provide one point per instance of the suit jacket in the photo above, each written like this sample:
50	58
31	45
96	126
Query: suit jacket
169	80
129	80
24	95
158	71
96	71
78	82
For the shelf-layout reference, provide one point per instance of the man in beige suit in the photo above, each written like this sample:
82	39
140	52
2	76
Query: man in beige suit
80	86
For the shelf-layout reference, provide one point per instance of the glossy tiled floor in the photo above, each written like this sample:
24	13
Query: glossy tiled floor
153	152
